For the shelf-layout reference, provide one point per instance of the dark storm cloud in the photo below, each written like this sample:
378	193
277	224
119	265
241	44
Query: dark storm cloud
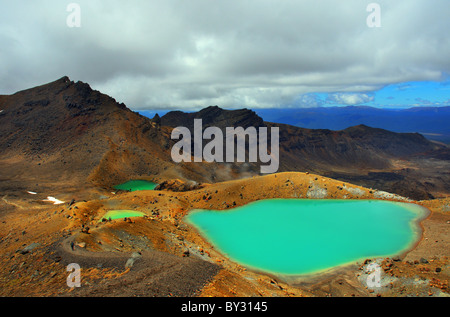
255	53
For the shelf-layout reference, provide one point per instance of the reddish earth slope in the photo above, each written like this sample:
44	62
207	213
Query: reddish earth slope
64	137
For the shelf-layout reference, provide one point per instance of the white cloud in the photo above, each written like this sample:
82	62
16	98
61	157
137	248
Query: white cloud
255	53
309	100
349	99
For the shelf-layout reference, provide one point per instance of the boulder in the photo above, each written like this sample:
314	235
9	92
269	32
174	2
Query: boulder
134	257
29	248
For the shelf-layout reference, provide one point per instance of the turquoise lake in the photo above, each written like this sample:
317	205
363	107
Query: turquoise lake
120	214
300	236
135	185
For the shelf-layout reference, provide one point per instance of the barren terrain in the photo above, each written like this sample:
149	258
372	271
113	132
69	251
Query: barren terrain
169	258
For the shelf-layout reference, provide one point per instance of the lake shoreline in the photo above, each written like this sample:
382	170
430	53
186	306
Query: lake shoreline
417	231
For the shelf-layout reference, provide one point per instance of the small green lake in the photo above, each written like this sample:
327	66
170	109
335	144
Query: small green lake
134	185
120	214
301	236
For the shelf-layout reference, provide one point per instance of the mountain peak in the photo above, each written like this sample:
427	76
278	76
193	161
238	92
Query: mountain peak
64	79
213	116
61	82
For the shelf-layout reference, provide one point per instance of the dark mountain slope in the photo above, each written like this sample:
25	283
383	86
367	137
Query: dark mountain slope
66	133
64	137
368	156
359	146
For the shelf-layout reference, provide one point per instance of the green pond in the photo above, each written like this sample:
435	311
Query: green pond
135	185
120	214
300	236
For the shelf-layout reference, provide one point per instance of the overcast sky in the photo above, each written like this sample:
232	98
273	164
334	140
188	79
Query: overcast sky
189	54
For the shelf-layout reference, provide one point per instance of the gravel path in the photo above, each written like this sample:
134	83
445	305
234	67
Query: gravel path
153	273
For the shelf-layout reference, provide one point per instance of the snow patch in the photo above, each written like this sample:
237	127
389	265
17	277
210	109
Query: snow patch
54	200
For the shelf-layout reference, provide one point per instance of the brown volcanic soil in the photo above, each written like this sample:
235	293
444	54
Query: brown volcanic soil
68	141
176	261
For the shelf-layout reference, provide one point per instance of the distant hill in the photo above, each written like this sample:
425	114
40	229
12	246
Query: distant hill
432	122
359	145
367	156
